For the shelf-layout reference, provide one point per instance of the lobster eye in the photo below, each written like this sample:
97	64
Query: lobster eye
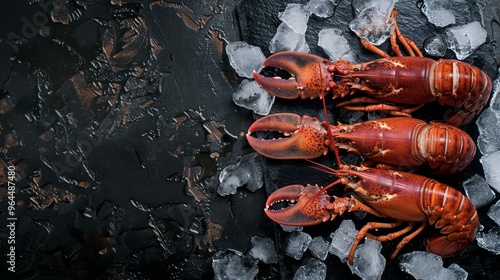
357	80
356	69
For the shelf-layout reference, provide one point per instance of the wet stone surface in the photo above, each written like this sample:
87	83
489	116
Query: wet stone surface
118	118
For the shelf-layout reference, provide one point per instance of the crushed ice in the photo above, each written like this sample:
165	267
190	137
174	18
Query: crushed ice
373	22
437	13
335	45
251	96
246	172
245	58
465	39
425	265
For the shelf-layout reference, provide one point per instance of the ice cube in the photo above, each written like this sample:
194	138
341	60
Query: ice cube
342	239
465	39
490	241
488	125
286	39
437	14
425	265
495	95
335	45
368	261
319	248
436	45
296	17
313	270
263	249
251	96
491	167
478	191
296	244
383	7
321	8
291	228
246	172
233	266
421	265
245	58
494	212
372	25
453	272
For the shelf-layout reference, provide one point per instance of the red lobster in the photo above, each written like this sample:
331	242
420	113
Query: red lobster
398	141
410	81
416	198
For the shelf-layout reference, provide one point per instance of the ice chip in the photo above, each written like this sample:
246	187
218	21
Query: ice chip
421	265
491	167
425	265
296	17
372	25
436	45
494	212
342	239
368	261
335	45
296	244
291	228
286	39
437	14
495	95
313	270
233	266
490	241
263	249
453	272
246	172
478	191
465	39
249	95
319	248
383	7
321	8
488	125
245	58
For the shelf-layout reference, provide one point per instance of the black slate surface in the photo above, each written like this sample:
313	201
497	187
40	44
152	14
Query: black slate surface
118	118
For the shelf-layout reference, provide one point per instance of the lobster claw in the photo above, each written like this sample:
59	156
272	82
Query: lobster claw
303	137
310	77
301	210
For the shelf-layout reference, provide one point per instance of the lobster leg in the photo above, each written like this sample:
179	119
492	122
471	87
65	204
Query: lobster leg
392	235
378	105
407	239
364	231
410	46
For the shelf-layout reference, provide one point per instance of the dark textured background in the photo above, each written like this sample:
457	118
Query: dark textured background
118	117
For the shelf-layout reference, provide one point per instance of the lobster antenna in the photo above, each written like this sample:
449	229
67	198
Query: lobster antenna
325	169
330	135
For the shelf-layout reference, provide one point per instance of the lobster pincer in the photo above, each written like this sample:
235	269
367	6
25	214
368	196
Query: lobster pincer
311	76
296	205
301	137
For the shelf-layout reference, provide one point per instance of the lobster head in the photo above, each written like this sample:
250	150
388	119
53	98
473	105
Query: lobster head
299	137
309	76
296	205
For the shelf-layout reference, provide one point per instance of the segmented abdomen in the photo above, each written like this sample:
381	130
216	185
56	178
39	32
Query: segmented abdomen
445	148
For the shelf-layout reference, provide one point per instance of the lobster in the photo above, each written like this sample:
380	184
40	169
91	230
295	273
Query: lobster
416	198
397	141
409	81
